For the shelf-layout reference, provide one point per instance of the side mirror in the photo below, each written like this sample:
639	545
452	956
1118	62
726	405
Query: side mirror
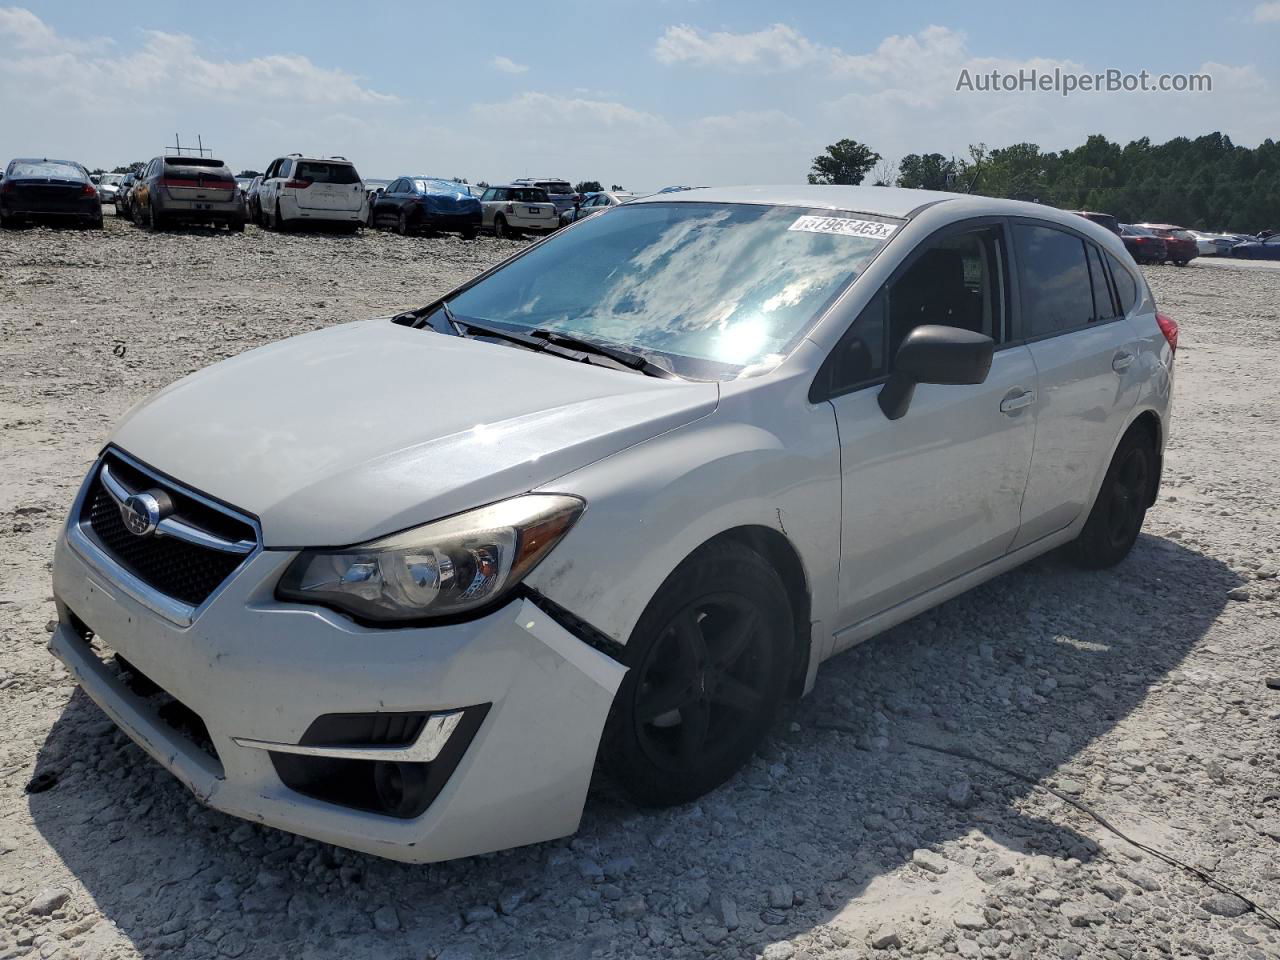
935	354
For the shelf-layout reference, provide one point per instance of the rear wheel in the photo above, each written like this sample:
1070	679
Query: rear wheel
402	224
500	228
154	219
1121	506
709	662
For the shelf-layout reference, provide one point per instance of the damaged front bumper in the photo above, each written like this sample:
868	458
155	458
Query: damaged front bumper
506	710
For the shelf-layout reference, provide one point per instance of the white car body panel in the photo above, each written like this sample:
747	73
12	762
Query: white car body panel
368	458
347	434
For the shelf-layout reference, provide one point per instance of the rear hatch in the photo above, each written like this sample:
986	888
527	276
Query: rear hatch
531	203
326	185
48	186
198	179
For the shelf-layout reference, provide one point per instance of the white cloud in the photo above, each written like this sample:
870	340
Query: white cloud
775	48
507	65
1267	13
901	97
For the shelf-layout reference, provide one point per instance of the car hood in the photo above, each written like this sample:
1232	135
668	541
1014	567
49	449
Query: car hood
349	433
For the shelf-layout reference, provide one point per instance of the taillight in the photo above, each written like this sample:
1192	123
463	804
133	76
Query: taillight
178	182
88	190
1169	327
6	186
297	184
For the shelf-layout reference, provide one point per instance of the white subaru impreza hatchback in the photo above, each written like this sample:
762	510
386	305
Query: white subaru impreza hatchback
398	584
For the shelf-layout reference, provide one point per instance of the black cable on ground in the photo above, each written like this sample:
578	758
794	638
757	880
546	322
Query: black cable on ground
962	754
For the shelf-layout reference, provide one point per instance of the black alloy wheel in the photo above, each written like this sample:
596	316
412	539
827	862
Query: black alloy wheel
709	664
1121	506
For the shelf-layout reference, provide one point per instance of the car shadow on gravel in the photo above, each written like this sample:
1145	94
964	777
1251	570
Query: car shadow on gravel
1026	670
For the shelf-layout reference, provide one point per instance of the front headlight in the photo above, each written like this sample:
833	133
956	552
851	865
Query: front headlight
447	567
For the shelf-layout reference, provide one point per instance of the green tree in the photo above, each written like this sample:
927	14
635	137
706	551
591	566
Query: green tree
845	162
588	186
932	171
249	174
131	167
617	186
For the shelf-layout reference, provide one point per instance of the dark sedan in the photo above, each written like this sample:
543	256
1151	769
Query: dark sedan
1143	245
48	190
417	204
1268	249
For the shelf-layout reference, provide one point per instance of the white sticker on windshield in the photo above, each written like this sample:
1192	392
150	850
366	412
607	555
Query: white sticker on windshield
871	229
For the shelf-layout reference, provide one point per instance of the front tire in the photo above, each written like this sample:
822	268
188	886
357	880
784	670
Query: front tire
709	662
1121	506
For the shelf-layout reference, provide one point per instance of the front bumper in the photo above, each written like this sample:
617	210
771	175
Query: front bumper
254	669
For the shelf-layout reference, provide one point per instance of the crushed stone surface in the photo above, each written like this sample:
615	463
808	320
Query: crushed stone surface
1139	692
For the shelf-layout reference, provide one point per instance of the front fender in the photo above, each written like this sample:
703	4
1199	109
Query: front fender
650	507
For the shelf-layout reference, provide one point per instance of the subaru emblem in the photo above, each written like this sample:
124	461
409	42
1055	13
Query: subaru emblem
141	514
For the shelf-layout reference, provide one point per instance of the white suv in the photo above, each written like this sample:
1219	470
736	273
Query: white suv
297	189
665	463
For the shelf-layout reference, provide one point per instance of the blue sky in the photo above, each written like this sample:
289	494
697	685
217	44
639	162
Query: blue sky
642	94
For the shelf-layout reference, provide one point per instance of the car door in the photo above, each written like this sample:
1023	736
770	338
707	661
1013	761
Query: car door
1084	351
389	201
935	494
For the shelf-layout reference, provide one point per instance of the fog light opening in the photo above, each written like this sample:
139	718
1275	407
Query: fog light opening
400	787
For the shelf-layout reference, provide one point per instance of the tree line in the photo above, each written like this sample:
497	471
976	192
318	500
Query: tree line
1208	183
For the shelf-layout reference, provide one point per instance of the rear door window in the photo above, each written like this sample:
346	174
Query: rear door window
1055	288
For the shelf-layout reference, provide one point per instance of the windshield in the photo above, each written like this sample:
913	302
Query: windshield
342	173
42	169
555	187
713	288
111	178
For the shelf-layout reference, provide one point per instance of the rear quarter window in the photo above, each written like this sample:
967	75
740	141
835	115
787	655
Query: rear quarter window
1126	286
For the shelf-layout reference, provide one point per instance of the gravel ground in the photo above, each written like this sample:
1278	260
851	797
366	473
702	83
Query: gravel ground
1138	692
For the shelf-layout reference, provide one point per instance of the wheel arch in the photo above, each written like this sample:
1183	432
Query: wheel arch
1149	421
782	555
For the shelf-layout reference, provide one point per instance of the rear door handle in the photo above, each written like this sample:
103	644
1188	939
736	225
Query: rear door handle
1121	361
1014	402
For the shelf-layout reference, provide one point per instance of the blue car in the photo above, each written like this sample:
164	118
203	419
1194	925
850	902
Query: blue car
426	204
1266	249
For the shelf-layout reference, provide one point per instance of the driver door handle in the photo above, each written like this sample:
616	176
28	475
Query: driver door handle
1121	361
1015	401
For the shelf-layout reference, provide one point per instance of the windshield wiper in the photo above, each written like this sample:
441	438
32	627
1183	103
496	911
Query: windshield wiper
627	358
461	327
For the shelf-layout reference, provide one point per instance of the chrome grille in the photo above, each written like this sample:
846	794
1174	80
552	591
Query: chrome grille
189	554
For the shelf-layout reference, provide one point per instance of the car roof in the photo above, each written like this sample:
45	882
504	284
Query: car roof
897	202
1161	226
519	185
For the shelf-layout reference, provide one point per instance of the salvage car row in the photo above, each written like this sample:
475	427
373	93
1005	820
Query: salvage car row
1150	243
